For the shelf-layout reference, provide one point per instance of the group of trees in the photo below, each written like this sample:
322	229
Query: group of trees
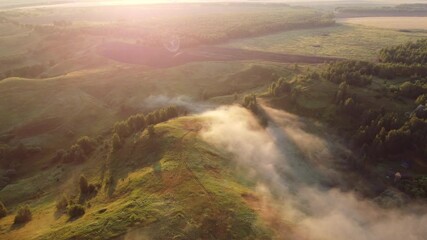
376	133
360	73
140	122
382	134
250	102
357	73
279	87
396	70
421	99
87	188
78	152
72	208
23	214
412	90
416	187
404	60
408	53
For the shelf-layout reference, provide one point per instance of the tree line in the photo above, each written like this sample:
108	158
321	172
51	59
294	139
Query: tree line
140	122
408	53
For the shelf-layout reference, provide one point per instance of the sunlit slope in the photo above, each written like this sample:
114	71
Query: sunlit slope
73	101
172	185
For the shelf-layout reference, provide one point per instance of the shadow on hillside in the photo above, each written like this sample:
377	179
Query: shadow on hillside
17	226
74	218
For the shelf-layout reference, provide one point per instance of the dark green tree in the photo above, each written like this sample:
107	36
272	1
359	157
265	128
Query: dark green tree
3	210
23	215
84	186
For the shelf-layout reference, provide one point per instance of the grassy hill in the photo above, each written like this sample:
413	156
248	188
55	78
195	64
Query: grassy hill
170	185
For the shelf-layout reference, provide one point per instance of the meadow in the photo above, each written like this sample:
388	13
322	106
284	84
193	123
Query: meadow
195	24
343	40
400	23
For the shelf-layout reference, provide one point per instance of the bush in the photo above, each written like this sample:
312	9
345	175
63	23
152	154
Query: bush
422	99
87	144
75	154
410	90
3	210
76	210
24	215
62	204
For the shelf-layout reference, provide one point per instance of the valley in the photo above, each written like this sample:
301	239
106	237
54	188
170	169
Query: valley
235	120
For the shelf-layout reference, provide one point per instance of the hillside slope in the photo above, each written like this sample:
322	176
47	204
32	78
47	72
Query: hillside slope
172	185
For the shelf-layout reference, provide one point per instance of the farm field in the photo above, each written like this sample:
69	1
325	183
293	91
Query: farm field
400	23
343	41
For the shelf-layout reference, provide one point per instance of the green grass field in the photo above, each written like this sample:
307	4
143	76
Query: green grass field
344	41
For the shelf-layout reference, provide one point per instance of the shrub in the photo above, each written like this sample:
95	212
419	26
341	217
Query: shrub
24	215
62	204
75	154
422	99
3	210
410	90
87	144
76	210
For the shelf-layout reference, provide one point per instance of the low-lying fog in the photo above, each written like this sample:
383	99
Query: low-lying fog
291	164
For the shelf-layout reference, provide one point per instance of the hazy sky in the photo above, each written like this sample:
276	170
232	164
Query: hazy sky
75	3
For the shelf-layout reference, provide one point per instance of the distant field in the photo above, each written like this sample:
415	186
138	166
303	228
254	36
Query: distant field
194	23
346	41
389	22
